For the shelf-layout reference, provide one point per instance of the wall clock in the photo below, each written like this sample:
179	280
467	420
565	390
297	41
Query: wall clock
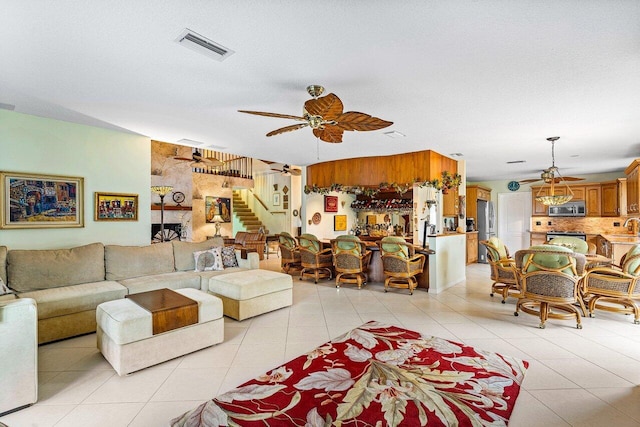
178	197
513	185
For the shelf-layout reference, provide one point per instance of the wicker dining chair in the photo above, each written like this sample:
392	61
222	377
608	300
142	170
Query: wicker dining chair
615	288
575	244
400	263
502	266
316	262
289	252
549	277
351	260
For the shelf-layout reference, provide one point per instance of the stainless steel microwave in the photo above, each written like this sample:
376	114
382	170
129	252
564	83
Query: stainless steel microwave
574	208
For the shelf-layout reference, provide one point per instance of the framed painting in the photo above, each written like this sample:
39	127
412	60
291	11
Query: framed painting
340	223
217	206
276	199
31	200
115	207
331	203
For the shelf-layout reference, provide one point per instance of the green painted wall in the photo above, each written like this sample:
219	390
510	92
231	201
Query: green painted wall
109	161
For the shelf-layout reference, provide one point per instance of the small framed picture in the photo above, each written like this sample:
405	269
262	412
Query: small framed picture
331	203
340	223
115	207
276	199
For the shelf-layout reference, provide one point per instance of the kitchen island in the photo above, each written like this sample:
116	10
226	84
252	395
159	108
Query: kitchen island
615	246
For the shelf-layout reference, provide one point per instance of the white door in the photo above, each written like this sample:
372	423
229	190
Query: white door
514	220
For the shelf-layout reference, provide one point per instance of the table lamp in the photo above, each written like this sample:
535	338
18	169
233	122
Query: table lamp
217	219
161	190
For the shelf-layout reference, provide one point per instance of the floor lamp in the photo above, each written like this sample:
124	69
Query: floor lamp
161	190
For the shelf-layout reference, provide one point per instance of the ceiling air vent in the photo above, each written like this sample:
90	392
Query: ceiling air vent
196	42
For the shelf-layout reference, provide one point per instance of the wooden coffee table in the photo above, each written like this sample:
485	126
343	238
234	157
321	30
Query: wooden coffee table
169	310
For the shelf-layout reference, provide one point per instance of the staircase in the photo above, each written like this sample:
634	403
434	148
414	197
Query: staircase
247	218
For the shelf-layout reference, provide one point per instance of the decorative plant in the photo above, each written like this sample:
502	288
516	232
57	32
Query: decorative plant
450	181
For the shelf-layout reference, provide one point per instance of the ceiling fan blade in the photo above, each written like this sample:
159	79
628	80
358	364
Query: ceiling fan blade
527	181
295	172
183	158
212	161
329	133
287	129
281	116
569	178
352	120
329	107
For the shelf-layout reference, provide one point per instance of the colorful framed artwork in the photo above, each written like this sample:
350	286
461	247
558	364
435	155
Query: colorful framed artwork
372	219
32	200
115	207
331	203
217	206
276	199
340	223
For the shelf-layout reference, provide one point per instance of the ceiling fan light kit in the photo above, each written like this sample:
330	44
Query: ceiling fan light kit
552	177
325	116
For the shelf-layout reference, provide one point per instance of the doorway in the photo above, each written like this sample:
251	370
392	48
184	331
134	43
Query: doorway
514	220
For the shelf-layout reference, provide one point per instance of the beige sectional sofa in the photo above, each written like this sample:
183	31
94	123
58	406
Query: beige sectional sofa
68	284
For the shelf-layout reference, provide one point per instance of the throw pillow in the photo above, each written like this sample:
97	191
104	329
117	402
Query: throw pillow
229	257
3	288
208	260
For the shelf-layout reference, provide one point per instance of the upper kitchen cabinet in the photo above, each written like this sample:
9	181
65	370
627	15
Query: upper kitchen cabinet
450	203
475	193
592	199
614	198
633	195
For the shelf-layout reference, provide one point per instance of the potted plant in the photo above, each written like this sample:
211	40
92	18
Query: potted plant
450	181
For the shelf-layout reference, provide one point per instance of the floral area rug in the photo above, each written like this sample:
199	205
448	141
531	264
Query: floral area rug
374	375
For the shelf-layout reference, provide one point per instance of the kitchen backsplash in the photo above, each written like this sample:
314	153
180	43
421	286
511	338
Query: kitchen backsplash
589	225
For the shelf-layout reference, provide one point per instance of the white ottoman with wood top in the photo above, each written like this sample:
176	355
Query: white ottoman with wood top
132	338
249	293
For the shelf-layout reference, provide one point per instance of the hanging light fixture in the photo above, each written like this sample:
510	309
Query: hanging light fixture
552	177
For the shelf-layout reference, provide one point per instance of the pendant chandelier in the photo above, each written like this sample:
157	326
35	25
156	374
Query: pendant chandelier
553	177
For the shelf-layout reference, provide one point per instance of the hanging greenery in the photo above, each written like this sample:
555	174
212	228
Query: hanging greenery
448	182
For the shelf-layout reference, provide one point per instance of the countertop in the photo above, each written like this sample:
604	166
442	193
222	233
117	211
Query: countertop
621	239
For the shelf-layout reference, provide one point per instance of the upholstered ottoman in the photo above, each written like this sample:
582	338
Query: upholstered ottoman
125	332
249	293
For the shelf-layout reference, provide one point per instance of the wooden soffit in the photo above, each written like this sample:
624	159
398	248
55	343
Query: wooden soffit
371	171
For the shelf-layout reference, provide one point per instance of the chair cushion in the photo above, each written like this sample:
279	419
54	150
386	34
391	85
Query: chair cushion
348	244
500	247
552	260
310	242
632	265
394	245
576	245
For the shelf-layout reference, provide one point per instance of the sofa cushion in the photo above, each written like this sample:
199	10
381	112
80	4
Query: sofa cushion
125	262
31	270
245	285
3	263
229	257
74	299
176	280
211	259
183	253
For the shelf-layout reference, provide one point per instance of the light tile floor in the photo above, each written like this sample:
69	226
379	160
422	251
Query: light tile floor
587	377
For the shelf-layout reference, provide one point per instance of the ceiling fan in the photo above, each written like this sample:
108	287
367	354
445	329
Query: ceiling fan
198	158
286	169
325	116
552	173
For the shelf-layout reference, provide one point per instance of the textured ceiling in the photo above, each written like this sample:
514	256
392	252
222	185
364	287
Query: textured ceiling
490	80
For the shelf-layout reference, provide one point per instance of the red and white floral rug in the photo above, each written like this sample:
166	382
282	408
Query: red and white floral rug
379	375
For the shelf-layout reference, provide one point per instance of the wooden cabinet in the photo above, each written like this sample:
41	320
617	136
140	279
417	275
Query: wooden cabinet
592	199
450	203
578	193
614	198
633	195
537	239
475	193
472	247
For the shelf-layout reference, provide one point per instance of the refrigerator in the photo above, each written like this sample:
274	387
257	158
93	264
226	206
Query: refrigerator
486	227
